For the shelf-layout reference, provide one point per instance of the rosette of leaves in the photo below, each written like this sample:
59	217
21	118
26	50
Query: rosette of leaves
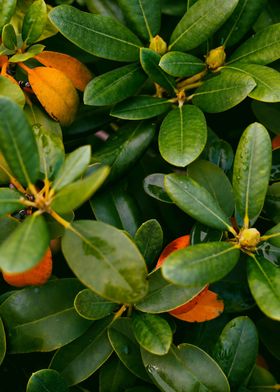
175	83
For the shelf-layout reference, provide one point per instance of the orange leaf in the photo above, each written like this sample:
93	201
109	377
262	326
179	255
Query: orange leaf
179	243
3	60
276	142
207	308
190	304
77	72
55	92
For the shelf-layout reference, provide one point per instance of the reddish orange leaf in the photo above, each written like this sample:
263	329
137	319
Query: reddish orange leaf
190	304
178	243
3	60
77	72
55	92
276	142
261	362
207	308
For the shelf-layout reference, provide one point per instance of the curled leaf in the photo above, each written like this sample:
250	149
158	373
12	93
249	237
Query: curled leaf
77	72
56	93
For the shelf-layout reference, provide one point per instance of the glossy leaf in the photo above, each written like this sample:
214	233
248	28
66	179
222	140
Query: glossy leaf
9	38
93	307
221	154
273	235
46	380
115	206
240	22
100	35
126	347
149	239
7	226
18	143
35	317
74	195
200	264
263	278
7	8
11	90
201	233
142	16
150	63
25	246
74	166
154	187
181	64
251	172
262	48
9	201
196	201
140	107
185	369
200	22
223	91
262	380
164	296
34	22
267	79
114	86
77	72
182	135
212	178
31	52
106	261
152	332
272	202
123	149
236	350
79	359
2	342
269	252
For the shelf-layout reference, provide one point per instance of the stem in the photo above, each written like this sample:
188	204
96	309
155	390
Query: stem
232	230
267	237
192	79
24	67
60	220
192	86
120	312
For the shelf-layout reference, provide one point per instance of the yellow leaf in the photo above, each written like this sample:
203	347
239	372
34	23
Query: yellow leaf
77	72
55	92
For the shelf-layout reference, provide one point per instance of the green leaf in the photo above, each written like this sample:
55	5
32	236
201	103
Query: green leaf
221	154
149	239
7	226
181	64
152	332
200	22
79	359
18	143
11	90
126	347
46	380
185	369
224	91
267	114
7	9
164	296
263	48
74	166
9	201
140	107
34	22
196	201
262	380
236	350
2	342
150	63
35	317
183	135
123	150
92	307
201	233
264	278
106	261
200	264
114	86
212	178
251	172
268	332
154	187
267	79
74	195
9	38
274	233
49	140
115	206
143	16
99	35
240	22
26	245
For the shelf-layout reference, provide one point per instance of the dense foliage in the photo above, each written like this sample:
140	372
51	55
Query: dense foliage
139	141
